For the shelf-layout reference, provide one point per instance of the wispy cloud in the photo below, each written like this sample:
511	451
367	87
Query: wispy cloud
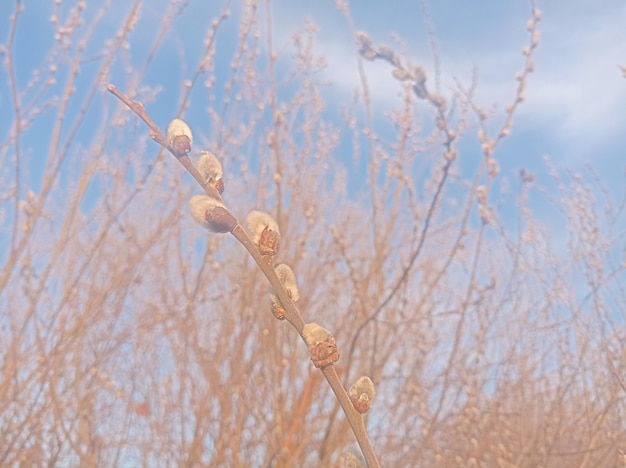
578	87
575	99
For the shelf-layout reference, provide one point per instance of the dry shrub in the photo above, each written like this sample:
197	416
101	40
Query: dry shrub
129	335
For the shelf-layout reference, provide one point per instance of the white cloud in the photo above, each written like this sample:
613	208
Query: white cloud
575	98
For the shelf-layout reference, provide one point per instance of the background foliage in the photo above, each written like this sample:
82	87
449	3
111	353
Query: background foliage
129	335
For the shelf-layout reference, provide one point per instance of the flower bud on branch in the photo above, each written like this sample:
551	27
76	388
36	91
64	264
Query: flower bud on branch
211	213
321	343
211	170
365	46
286	276
179	136
278	310
401	74
362	394
481	194
263	231
387	53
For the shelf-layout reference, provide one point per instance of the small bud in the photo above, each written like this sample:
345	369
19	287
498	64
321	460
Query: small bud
279	118
387	53
288	278
314	334
179	136
271	140
264	232
439	102
277	308
368	53
526	176
535	39
211	213
353	459
488	148
362	393
321	343
269	242
450	155
484	213
365	46
481	194
363	38
419	75
401	74
492	168
211	170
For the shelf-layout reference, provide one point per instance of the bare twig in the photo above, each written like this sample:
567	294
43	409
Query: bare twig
292	314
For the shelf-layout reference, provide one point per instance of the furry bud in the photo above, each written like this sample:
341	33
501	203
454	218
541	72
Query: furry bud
211	213
321	344
179	136
387	53
211	170
263	230
314	334
288	278
401	74
362	393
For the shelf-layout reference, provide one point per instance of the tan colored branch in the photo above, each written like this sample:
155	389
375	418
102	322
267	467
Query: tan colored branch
266	264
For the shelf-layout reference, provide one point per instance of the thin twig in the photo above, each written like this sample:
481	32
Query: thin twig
292	314
158	136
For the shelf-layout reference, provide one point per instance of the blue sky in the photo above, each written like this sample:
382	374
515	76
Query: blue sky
575	109
575	100
576	97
